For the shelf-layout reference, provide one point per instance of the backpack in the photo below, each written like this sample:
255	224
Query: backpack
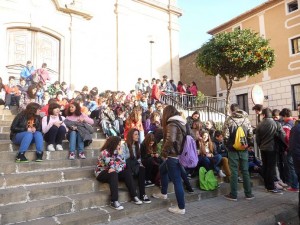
207	180
111	130
240	139
188	157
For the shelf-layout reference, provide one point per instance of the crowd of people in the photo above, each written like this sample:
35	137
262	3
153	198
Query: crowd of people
145	137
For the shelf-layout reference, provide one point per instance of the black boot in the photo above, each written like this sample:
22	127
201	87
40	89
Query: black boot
21	157
39	157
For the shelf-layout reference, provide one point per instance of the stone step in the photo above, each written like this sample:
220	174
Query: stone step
31	210
6	135
6	145
5	123
105	214
45	191
60	205
88	194
5	129
42	177
7	117
13	111
47	165
56	155
48	207
67	188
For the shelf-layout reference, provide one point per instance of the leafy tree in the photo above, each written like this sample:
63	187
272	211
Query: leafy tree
234	55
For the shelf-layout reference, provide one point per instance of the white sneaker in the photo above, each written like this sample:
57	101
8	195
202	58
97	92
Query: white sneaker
137	201
116	205
51	148
284	185
81	155
221	174
72	156
176	210
160	195
278	186
59	147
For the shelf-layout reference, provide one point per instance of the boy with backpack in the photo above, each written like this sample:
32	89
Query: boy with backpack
237	150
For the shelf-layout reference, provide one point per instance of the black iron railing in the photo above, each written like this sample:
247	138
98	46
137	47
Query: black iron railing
210	108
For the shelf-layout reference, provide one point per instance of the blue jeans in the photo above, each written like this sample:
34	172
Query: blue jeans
24	139
216	160
75	139
172	168
105	123
292	174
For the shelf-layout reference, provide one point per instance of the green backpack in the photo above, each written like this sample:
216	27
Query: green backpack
207	179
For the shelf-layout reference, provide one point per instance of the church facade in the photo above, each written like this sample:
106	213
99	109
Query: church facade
106	44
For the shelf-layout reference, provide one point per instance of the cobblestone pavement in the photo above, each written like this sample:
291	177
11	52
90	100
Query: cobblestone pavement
265	209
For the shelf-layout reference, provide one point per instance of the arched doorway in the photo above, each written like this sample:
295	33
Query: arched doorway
36	46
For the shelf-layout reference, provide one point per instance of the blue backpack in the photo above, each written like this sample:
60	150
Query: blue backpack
189	155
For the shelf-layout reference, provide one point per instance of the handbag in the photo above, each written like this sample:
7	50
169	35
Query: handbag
133	165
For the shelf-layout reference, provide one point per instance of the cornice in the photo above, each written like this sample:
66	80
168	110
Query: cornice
244	16
71	9
156	4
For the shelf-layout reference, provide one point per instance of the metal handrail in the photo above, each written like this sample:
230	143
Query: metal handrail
209	106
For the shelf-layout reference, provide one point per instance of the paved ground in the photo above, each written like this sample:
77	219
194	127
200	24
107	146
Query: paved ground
265	209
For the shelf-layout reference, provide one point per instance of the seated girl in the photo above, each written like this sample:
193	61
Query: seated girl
111	168
132	154
80	130
208	157
54	128
150	159
26	129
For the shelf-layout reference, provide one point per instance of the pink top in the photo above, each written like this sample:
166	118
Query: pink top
193	89
82	116
44	75
46	127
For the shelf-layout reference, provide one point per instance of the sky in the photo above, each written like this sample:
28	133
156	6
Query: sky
200	16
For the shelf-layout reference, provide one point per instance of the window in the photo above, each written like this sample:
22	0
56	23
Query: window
242	101
295	42
237	28
292	6
296	95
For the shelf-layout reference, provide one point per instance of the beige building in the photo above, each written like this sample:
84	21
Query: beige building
102	43
279	21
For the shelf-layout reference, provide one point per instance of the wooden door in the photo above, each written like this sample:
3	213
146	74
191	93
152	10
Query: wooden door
38	47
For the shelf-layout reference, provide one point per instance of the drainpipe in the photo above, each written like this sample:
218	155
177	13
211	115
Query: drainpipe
117	43
170	39
70	29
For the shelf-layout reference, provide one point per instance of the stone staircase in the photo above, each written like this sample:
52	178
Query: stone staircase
63	191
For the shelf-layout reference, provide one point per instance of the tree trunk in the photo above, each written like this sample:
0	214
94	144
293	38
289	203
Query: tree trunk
227	104
228	87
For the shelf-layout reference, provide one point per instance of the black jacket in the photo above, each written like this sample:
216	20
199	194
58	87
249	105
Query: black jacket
294	146
265	133
19	124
